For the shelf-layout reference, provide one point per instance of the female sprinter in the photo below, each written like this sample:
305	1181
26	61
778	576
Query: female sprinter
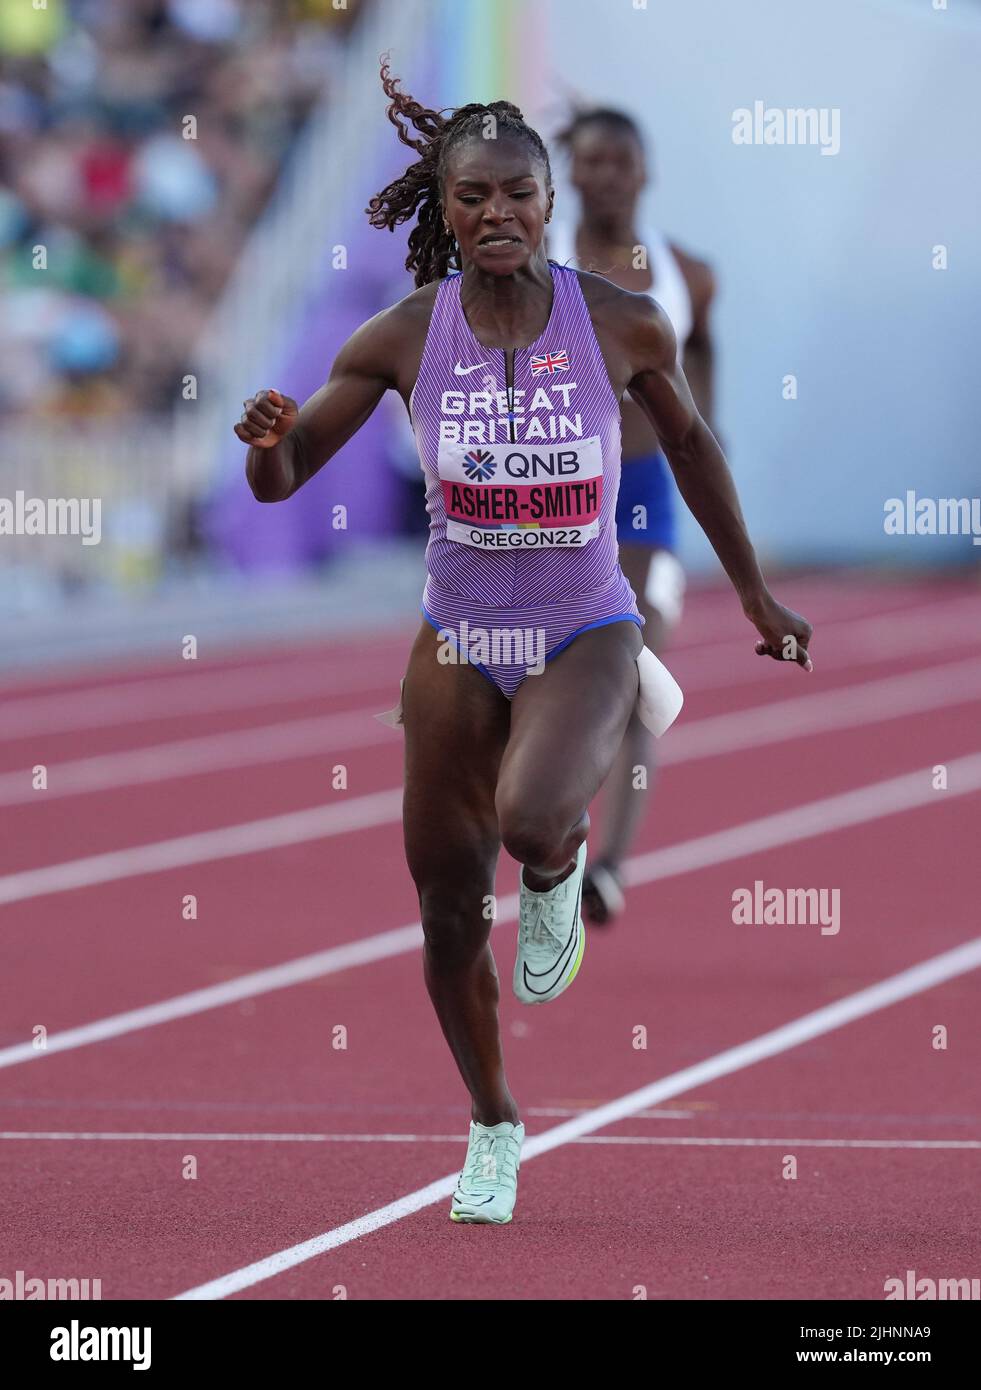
608	171
512	371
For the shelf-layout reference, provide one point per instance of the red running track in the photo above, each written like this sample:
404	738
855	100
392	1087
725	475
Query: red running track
684	1197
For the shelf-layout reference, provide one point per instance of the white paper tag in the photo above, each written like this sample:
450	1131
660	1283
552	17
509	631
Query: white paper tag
660	698
393	717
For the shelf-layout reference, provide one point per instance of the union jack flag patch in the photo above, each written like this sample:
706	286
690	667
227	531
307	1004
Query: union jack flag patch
550	362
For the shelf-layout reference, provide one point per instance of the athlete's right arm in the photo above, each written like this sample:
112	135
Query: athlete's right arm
289	443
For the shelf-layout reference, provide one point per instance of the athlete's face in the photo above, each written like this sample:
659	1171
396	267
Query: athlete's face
608	170
496	201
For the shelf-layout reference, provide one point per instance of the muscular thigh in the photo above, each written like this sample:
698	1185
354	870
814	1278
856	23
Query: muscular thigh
456	728
567	724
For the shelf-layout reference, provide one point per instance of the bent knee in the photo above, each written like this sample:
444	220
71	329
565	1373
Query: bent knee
538	840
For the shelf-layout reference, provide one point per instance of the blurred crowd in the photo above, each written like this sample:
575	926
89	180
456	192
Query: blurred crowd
117	230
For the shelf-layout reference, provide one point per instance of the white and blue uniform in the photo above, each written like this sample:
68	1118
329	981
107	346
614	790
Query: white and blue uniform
645	481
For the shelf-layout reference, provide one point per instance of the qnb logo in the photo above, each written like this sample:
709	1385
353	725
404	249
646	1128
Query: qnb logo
78	1343
479	465
559	463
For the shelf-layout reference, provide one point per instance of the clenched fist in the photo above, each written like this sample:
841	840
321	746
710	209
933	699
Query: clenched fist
267	418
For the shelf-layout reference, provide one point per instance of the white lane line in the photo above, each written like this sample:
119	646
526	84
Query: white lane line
192	692
724	1143
868	803
707	616
563	1111
206	846
706	611
241	657
873	701
335	959
825	1020
756	727
112	1136
896	794
859	641
160	762
680	1141
927	627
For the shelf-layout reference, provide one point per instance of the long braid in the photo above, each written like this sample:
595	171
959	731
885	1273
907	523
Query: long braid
432	248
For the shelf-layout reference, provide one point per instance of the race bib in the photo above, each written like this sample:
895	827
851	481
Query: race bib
522	497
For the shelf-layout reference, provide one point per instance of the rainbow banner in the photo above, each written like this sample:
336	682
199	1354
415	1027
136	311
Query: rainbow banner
492	50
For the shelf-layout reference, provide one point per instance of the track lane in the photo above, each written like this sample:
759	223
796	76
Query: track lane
284	1043
171	1063
127	940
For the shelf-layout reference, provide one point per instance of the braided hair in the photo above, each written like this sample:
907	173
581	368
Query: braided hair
432	248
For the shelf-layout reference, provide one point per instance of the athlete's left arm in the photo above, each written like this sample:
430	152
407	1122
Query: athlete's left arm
698	355
657	383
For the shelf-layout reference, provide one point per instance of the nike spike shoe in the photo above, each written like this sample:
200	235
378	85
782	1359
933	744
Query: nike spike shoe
488	1185
551	937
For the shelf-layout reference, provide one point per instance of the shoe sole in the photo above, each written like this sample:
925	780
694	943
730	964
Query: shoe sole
476	1220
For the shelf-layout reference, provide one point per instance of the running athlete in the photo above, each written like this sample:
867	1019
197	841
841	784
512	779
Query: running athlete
608	170
512	371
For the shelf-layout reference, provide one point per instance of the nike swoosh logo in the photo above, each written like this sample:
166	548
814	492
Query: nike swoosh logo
463	1199
557	969
460	370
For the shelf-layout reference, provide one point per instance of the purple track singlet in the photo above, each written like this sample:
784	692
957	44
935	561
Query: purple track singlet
522	553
